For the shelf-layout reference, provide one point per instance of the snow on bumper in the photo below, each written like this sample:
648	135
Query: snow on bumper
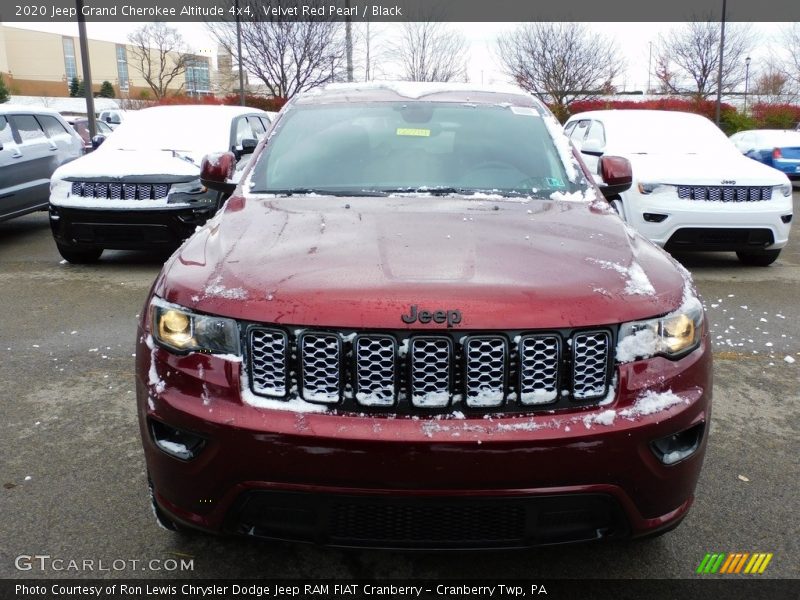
603	448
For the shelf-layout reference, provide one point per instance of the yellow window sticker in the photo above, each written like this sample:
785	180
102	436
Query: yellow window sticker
414	132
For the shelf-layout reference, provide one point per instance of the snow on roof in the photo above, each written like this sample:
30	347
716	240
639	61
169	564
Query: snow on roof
777	137
629	114
197	128
417	89
71	105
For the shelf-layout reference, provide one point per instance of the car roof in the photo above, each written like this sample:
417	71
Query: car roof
201	110
389	91
627	115
8	109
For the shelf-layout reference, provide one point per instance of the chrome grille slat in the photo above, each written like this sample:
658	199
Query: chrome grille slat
320	367
119	191
590	364
376	370
430	371
418	371
268	362
540	358
725	193
485	359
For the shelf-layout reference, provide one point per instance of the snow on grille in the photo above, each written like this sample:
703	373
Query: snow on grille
430	371
590	364
120	191
539	358
725	193
375	370
485	371
268	362
320	356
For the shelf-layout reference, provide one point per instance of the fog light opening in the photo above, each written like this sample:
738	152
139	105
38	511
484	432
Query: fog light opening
176	442
786	218
654	217
678	446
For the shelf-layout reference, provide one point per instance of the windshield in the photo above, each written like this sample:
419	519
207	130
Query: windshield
411	147
676	133
183	130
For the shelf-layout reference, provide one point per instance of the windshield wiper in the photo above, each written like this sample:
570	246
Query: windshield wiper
301	191
446	191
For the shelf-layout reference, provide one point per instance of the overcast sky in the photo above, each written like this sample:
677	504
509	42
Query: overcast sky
633	40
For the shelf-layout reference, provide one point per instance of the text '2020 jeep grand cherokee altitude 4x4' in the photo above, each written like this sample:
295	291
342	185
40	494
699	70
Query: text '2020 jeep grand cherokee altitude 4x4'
416	323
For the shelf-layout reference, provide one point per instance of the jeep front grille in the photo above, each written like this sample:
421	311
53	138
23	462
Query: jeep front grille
412	372
725	193
120	191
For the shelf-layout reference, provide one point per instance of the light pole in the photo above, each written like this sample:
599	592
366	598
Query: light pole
649	67
746	81
721	57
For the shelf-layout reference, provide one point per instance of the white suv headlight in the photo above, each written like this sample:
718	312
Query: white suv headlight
672	335
180	329
785	189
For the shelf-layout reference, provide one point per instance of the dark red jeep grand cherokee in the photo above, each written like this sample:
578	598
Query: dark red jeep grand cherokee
416	323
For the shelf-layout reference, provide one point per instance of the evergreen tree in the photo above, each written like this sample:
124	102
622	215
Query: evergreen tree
106	90
81	90
74	87
3	90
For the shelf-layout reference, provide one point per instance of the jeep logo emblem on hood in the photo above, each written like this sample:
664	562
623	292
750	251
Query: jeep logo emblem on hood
728	182
451	317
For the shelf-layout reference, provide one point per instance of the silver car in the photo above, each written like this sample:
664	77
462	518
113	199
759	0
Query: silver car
34	142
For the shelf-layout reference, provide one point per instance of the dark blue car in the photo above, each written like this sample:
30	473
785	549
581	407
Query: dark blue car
778	148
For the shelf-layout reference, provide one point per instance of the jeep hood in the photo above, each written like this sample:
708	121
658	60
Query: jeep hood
703	169
110	163
362	262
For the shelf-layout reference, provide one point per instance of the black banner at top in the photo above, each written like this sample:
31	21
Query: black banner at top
400	10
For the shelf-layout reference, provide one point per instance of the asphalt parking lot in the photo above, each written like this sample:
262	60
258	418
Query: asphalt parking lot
72	471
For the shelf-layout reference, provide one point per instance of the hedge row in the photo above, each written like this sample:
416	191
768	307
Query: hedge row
761	115
251	100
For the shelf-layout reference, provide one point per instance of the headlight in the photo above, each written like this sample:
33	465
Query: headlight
649	188
672	335
785	189
188	187
180	329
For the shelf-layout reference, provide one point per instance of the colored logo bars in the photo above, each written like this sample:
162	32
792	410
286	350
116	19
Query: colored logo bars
735	563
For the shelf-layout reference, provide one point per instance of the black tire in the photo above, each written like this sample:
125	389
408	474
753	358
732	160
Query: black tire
79	255
764	258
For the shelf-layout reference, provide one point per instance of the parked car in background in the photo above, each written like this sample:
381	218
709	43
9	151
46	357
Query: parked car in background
81	126
417	323
777	148
693	190
34	142
141	189
113	118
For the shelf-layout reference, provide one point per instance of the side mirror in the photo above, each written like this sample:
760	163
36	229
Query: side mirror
247	146
216	171
617	175
592	147
97	140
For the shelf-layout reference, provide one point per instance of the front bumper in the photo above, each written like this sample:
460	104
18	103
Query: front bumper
319	477
162	228
763	225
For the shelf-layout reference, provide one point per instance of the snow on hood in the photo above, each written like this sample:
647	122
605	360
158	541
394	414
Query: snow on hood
108	162
362	262
702	169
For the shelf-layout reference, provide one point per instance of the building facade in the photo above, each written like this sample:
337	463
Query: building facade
49	69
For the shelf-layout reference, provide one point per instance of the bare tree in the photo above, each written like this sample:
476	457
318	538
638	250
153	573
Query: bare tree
160	55
287	56
773	85
690	55
430	51
791	66
559	62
